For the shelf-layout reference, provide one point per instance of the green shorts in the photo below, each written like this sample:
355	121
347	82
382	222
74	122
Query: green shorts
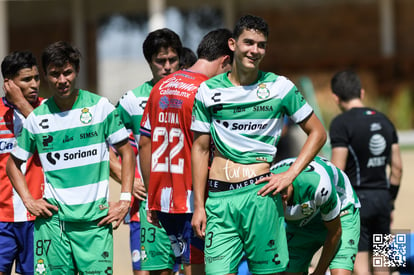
303	242
239	221
155	246
62	247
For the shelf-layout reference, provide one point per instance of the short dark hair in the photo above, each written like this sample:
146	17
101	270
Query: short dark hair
215	44
187	58
158	39
346	85
15	61
250	22
59	54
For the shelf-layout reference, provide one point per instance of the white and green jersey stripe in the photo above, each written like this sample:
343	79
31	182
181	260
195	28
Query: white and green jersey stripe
314	196
343	187
131	107
246	122
321	192
73	150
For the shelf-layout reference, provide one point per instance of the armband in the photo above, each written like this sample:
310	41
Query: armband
394	191
125	196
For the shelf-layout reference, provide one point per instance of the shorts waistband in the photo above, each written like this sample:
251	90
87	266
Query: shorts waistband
218	185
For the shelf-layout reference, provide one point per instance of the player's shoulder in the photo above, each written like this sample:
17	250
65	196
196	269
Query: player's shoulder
89	99
142	90
218	81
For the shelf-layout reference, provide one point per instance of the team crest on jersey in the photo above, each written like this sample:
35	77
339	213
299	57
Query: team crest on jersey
262	91
85	116
306	210
40	267
144	256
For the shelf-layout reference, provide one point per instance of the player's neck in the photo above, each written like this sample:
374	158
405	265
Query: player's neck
353	103
243	77
202	66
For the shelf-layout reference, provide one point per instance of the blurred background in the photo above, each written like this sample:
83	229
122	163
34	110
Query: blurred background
309	41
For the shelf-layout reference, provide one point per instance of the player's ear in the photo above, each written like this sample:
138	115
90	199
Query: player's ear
232	43
362	94
335	98
225	61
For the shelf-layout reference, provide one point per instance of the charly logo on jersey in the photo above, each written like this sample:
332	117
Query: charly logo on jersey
44	123
262	91
216	97
142	104
85	116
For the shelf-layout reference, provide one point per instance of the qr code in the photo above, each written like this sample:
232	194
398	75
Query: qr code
389	250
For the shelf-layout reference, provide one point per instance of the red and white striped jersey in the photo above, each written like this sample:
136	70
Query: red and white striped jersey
167	121
12	208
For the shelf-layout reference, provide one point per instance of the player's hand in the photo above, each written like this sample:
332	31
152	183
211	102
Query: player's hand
116	213
199	222
13	93
152	218
276	183
40	208
138	190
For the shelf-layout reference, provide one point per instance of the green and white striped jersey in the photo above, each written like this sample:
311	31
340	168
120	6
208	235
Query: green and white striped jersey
246	122
320	192
131	107
73	150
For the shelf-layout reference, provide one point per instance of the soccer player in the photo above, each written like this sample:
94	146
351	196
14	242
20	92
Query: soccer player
21	85
73	226
150	246
365	145
165	147
242	112
321	210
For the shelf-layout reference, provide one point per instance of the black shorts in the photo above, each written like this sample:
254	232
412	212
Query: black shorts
375	215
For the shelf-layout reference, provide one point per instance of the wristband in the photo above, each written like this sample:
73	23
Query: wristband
394	191
125	196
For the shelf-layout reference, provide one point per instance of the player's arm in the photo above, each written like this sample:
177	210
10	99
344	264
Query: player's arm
199	170
144	146
15	96
117	211
316	133
38	207
396	170
115	167
330	245
339	157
